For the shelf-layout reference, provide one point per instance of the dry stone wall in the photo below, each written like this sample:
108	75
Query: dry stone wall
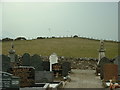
76	63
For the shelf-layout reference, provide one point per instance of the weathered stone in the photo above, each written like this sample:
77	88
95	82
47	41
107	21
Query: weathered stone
36	62
5	63
26	59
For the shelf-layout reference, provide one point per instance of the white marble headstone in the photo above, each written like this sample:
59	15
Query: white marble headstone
53	59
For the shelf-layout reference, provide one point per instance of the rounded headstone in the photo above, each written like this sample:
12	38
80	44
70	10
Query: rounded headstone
53	58
26	59
36	62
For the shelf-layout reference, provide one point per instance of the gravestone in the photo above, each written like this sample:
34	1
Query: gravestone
102	62
57	69
5	63
117	61
46	65
66	67
44	76
26	59
36	62
53	59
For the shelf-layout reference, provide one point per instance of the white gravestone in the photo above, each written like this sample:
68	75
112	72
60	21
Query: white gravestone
53	59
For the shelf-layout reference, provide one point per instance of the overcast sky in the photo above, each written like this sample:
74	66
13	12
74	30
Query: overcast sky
32	19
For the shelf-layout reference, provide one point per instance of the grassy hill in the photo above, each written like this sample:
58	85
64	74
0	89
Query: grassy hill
70	47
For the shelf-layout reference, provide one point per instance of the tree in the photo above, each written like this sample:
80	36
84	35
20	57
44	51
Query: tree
20	38
75	36
26	59
7	39
53	36
40	37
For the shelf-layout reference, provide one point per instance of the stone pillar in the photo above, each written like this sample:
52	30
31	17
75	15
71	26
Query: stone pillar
101	51
12	56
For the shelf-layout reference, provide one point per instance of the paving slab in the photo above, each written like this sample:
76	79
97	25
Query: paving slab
84	79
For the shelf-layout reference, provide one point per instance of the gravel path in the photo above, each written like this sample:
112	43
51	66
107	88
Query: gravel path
84	79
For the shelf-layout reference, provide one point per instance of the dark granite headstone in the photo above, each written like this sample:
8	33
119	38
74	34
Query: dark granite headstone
44	76
26	59
5	63
66	67
46	65
36	62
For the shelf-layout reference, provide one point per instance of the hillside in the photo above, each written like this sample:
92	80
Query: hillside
69	47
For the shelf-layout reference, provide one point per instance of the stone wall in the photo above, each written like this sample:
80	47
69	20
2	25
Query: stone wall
77	63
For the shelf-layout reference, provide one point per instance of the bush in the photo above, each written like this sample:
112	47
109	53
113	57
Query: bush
53	36
20	38
7	39
40	37
75	36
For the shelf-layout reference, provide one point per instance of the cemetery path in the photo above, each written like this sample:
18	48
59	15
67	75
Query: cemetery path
84	79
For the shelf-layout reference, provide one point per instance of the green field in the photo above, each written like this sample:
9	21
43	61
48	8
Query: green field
69	47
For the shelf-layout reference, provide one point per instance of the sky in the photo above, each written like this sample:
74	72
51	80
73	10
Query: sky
86	19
